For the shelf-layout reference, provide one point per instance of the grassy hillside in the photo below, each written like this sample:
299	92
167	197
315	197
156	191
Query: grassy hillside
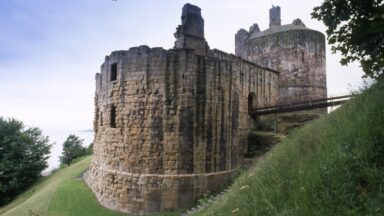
334	166
62	193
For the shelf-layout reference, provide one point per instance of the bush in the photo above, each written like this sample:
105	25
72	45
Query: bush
72	149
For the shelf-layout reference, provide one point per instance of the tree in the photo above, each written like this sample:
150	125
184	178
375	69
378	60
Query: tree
23	155
356	29
72	149
90	149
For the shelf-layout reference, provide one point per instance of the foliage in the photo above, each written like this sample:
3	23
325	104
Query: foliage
23	155
333	166
90	149
356	29
72	149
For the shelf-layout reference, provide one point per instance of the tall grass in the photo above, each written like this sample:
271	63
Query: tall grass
334	166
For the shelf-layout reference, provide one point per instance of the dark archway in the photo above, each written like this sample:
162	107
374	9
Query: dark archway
252	103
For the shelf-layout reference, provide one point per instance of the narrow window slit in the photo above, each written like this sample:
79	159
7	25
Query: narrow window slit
113	76
113	117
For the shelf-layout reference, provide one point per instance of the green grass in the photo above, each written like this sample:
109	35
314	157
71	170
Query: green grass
59	194
333	166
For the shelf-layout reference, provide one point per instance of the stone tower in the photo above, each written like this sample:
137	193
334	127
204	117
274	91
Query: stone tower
294	50
190	34
274	17
172	125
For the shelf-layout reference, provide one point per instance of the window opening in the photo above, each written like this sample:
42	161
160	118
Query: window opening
113	72
113	117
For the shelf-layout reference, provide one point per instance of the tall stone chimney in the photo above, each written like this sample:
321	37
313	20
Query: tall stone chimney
274	17
190	34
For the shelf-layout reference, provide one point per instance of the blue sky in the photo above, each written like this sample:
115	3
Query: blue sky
51	50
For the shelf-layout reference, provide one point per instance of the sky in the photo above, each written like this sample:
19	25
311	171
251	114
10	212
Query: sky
51	50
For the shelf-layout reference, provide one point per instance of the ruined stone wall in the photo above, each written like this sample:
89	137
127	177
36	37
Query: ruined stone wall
190	34
294	50
241	38
243	79
299	56
172	126
274	17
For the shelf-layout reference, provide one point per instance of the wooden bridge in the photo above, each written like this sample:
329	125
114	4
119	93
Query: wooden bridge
300	106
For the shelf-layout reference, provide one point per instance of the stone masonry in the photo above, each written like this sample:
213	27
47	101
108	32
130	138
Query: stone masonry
294	50
172	125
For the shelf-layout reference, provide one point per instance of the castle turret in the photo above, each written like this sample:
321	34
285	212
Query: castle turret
294	50
274	17
190	34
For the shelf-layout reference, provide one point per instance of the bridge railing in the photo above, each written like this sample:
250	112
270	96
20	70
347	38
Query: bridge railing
302	105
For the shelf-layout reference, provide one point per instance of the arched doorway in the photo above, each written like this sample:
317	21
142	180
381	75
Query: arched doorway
252	103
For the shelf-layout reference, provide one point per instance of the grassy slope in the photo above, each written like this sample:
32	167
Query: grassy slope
334	166
59	194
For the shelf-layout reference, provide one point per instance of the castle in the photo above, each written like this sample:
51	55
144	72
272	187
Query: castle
172	125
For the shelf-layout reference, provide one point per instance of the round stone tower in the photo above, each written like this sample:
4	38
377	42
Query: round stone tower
294	50
172	125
